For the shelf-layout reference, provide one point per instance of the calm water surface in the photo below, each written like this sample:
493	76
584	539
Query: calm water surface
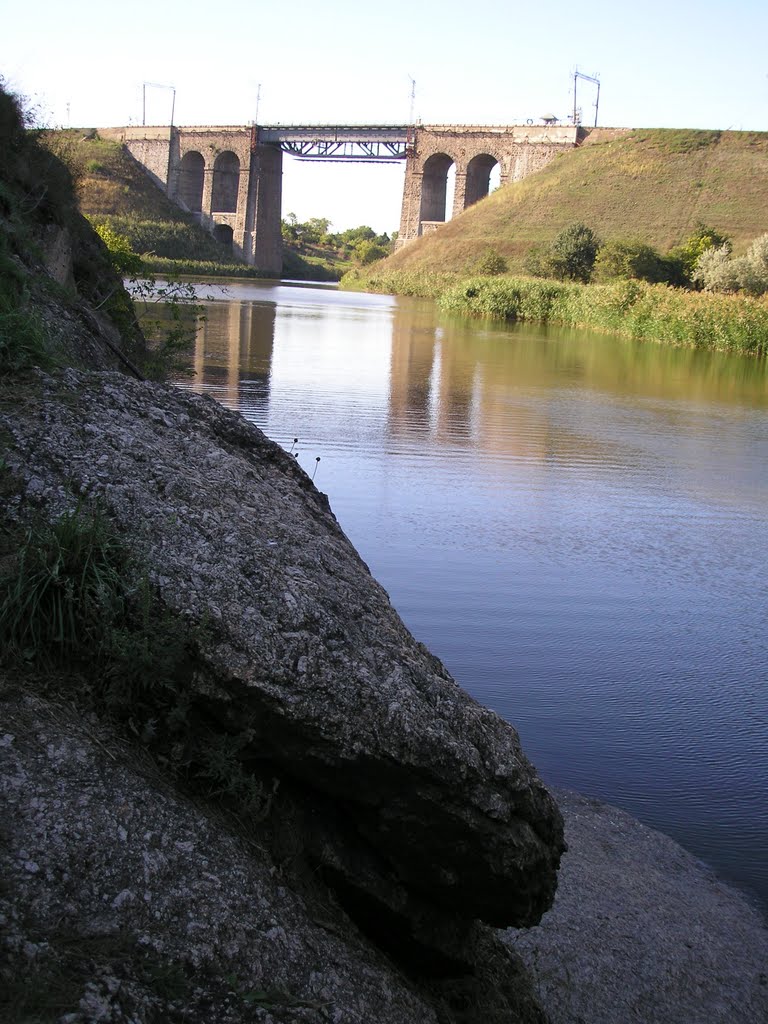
576	525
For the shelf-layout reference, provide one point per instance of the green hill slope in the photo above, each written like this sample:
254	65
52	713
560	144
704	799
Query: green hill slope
112	184
653	184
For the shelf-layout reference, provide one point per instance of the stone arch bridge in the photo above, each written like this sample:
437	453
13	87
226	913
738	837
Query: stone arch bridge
231	177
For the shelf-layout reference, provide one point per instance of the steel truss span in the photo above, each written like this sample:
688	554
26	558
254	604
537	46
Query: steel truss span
358	143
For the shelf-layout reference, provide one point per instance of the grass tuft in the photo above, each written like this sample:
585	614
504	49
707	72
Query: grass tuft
66	592
73	599
23	342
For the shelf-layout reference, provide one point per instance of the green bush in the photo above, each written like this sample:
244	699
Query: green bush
489	264
125	261
687	255
630	259
367	251
570	256
573	252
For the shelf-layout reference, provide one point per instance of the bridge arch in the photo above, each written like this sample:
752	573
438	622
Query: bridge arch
434	187
191	179
224	235
479	171
226	183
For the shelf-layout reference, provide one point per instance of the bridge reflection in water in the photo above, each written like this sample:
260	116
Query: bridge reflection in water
412	376
233	354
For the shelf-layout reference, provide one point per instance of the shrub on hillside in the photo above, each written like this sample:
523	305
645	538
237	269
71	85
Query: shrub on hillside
684	258
489	264
573	253
717	270
569	257
125	261
367	251
631	259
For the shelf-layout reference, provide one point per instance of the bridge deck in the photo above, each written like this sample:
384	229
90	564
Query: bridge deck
362	143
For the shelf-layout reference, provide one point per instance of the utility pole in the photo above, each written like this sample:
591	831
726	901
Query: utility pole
413	99
258	100
155	85
587	78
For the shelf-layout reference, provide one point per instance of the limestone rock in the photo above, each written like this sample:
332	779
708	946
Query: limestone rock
416	802
142	908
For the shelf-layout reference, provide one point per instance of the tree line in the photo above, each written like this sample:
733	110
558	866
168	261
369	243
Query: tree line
361	244
704	260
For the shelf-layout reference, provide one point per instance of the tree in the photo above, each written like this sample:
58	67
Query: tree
687	255
573	252
289	228
353	235
315	229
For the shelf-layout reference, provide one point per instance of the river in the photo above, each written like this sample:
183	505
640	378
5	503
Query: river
576	525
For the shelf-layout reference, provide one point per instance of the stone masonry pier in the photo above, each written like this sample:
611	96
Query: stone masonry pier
519	150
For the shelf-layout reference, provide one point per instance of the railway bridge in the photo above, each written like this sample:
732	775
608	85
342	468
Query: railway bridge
231	177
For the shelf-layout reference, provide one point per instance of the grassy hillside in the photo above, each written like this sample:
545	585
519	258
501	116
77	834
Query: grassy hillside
111	184
113	188
652	184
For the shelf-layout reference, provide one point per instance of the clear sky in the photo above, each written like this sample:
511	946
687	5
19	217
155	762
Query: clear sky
660	64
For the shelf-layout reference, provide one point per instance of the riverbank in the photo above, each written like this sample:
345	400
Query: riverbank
641	932
295	267
632	309
285	693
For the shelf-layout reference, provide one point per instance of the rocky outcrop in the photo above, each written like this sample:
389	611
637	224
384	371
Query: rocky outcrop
123	902
412	803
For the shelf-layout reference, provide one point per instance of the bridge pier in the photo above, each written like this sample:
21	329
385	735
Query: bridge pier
232	183
519	150
266	194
